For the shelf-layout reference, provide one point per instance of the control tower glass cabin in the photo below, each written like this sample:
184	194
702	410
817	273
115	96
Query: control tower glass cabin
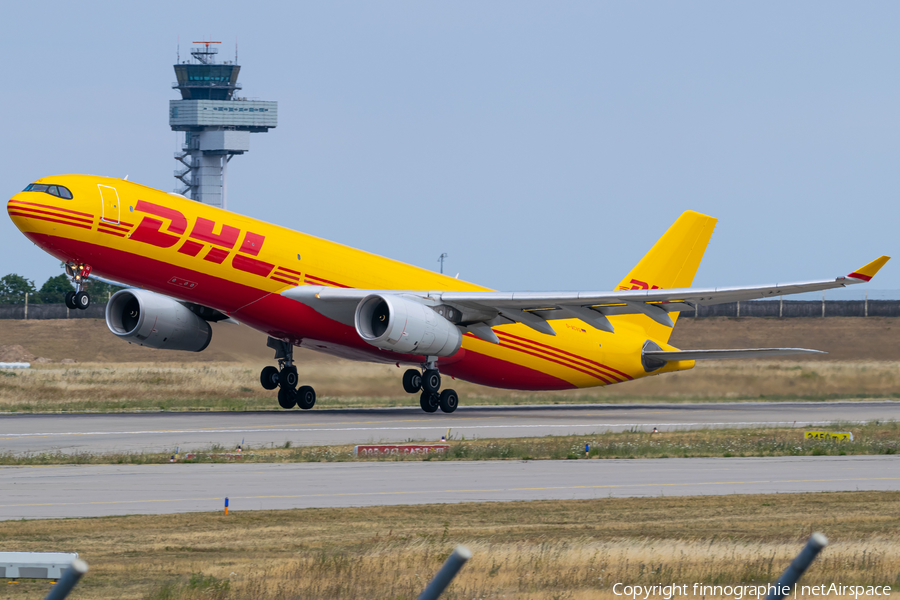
216	122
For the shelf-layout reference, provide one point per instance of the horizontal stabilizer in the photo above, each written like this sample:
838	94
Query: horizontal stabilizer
722	354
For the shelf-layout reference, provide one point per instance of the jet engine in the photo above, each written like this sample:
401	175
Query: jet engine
157	321
396	323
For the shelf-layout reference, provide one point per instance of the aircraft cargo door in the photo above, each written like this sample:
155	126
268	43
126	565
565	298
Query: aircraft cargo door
109	198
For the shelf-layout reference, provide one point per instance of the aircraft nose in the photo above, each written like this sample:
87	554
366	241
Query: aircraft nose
11	210
21	208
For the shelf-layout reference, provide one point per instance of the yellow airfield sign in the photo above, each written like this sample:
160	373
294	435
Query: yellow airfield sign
839	436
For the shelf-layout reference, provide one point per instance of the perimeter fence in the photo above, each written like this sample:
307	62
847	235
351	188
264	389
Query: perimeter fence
753	308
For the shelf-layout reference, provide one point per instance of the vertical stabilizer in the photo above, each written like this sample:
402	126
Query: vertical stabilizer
671	263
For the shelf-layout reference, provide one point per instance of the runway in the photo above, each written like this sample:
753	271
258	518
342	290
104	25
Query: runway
163	432
92	491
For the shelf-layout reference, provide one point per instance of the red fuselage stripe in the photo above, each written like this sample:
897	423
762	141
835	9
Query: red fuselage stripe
601	365
559	362
580	365
29	216
298	273
74	212
283	280
111	232
116	226
334	283
52	214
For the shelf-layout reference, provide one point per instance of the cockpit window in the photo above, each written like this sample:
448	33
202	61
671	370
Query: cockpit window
54	190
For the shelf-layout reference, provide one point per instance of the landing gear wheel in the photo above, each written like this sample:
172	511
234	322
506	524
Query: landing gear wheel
448	401
82	300
412	381
288	377
287	397
306	397
429	402
431	381
70	300
269	378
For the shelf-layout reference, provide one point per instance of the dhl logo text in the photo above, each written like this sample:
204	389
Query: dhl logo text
637	284
166	228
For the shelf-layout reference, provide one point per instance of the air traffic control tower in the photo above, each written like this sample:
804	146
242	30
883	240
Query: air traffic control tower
216	122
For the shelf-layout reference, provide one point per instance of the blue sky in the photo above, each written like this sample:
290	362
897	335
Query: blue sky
542	146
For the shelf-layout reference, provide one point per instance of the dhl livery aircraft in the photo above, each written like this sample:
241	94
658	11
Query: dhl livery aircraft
190	264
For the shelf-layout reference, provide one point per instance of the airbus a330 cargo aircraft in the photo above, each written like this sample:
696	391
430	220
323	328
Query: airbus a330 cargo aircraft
191	264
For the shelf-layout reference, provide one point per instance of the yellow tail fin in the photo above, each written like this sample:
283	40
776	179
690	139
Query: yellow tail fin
671	263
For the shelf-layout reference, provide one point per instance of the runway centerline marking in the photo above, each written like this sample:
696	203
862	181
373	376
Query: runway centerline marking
460	491
444	425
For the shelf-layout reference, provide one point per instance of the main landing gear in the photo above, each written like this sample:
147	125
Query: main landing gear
429	382
79	298
285	378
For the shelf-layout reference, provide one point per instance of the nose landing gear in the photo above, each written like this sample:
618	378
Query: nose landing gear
285	378
429	382
79	299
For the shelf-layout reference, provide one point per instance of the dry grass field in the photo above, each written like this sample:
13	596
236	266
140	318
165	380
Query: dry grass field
109	374
235	386
548	549
844	338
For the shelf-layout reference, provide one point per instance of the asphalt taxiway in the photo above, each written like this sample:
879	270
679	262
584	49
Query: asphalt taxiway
163	432
91	491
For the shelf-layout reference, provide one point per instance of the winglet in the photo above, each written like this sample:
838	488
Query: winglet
868	272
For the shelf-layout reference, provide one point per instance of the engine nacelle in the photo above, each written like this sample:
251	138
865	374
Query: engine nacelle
395	323
157	321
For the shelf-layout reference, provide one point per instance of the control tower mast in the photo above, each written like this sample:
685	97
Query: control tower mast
217	124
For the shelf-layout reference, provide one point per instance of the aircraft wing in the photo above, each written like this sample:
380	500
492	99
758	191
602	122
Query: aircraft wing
478	311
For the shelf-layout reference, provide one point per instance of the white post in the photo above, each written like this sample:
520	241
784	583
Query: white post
26	306
780	306
739	308
823	303
866	310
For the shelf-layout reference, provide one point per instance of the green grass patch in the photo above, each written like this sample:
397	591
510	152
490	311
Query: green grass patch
872	438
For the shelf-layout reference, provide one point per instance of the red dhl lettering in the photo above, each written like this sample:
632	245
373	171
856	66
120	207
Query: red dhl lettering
252	243
191	248
216	255
150	231
251	265
203	231
641	285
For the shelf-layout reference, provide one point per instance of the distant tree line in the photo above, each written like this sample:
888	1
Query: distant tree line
14	287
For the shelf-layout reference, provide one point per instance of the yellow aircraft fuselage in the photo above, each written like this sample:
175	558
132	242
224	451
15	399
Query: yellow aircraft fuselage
168	244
